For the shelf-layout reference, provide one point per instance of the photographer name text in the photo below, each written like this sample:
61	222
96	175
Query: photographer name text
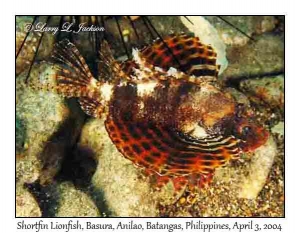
66	27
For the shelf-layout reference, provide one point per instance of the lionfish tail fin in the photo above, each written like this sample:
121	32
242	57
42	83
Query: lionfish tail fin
70	76
73	76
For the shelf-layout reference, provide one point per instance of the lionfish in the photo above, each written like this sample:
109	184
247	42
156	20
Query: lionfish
164	109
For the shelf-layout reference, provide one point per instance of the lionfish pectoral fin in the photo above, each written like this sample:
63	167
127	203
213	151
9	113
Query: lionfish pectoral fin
158	182
135	141
205	180
185	53
163	150
179	183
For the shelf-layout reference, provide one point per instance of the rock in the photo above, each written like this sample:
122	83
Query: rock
269	90
238	96
278	129
258	58
50	124
208	35
20	136
265	24
250	25
248	180
26	205
258	170
72	202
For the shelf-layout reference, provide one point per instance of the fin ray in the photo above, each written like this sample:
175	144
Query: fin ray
72	75
91	106
194	57
158	148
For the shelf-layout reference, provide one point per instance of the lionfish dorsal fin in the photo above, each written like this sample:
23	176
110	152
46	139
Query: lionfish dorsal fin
180	57
183	52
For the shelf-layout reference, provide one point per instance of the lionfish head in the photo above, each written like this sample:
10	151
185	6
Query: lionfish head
250	132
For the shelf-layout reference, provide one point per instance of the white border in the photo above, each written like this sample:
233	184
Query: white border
137	7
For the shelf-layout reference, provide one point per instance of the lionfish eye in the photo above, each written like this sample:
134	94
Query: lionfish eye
246	130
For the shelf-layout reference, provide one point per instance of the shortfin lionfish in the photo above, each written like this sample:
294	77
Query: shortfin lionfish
164	109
